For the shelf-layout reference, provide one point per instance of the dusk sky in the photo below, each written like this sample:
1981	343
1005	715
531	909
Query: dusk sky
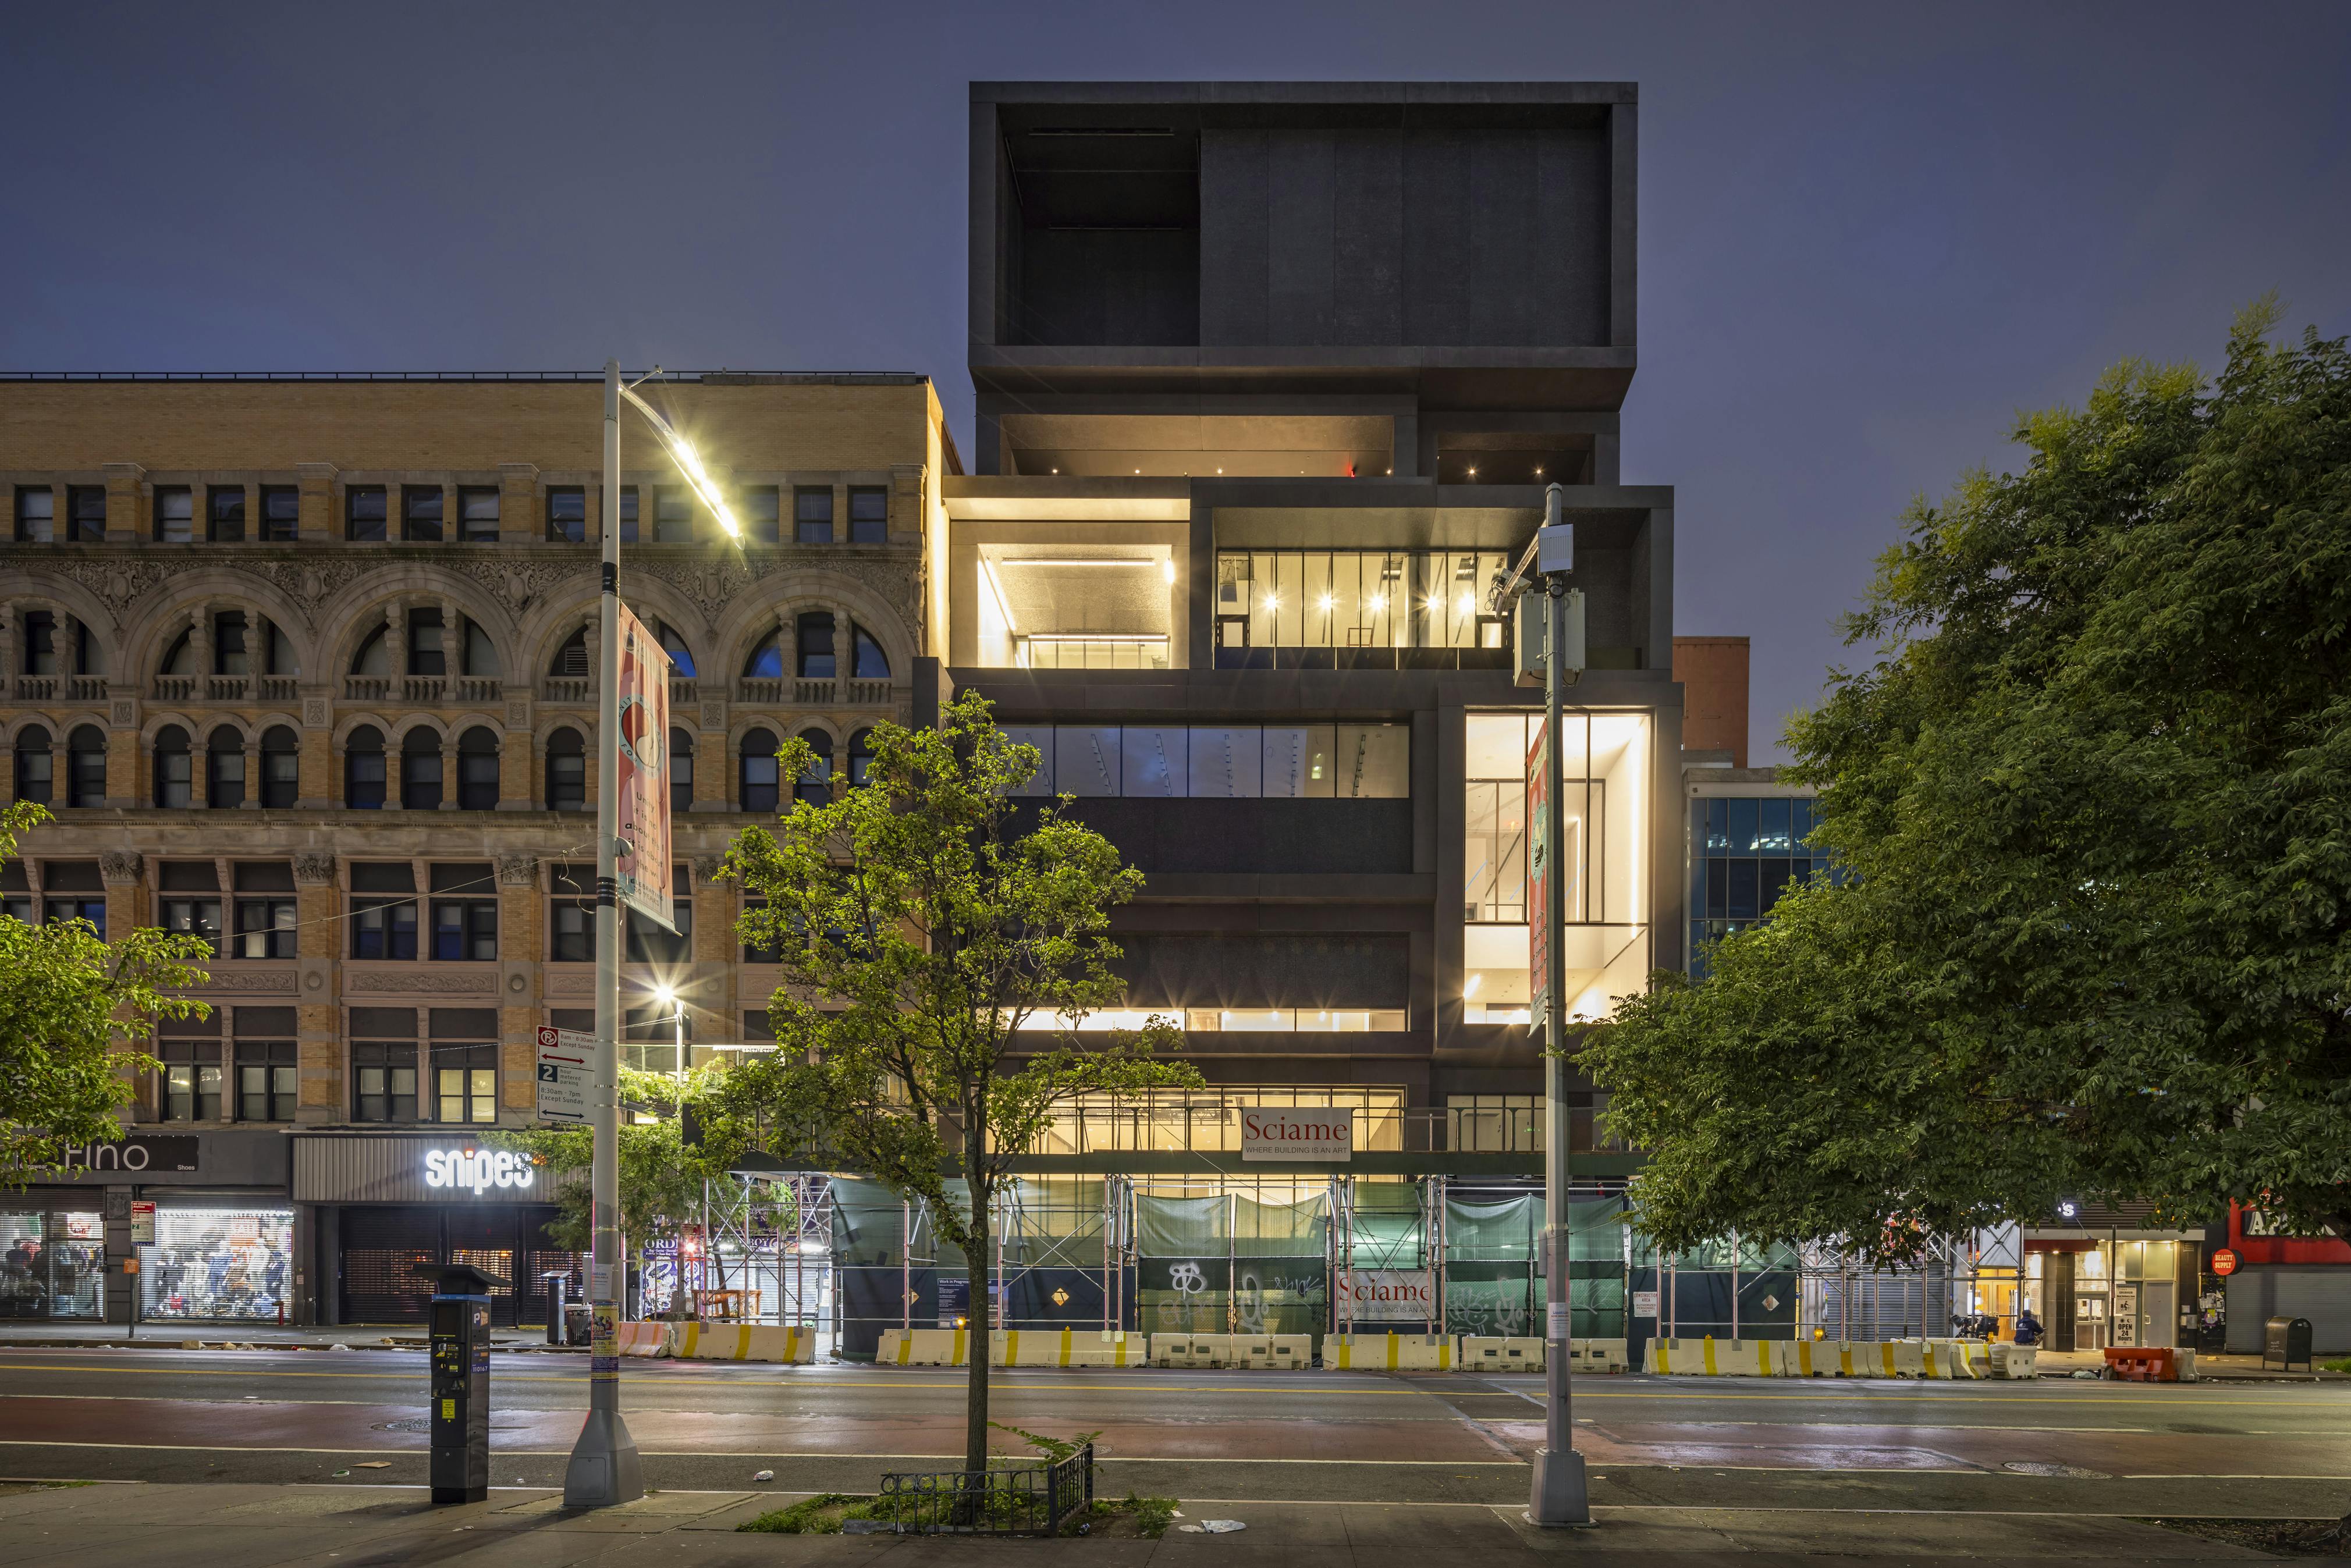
1869	235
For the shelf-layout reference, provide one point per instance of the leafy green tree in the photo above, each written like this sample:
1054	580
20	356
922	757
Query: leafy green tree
2092	799
662	1179
72	1009
919	936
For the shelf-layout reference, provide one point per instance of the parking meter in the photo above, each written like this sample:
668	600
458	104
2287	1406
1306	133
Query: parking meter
555	1305
459	1336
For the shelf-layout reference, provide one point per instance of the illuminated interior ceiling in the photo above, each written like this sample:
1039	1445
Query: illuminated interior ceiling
1049	589
1179	445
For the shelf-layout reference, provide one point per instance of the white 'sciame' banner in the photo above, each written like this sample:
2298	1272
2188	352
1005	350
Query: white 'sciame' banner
1388	1295
1290	1132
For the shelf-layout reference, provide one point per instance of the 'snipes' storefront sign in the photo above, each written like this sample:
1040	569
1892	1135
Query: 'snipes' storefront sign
1286	1132
478	1171
340	1168
1388	1295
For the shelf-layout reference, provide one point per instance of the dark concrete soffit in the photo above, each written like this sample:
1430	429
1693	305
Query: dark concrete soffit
1306	93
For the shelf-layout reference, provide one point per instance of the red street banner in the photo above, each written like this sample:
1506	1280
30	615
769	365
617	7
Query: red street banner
643	785
1538	884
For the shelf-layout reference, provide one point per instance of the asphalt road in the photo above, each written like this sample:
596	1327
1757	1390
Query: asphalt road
358	1415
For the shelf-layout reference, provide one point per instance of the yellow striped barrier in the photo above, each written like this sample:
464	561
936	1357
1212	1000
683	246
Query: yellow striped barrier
923	1347
743	1342
1058	1347
1387	1352
644	1338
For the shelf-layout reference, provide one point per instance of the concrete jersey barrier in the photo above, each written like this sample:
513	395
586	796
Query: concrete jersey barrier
1061	1347
644	1338
743	1342
1387	1352
923	1347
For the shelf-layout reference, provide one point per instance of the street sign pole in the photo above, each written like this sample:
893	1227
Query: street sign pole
1558	1494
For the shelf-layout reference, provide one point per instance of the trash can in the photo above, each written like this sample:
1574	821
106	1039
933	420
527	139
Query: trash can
555	1284
2286	1341
579	1323
458	1333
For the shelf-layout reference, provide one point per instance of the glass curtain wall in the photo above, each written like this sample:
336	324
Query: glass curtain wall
1745	851
1604	860
1339	602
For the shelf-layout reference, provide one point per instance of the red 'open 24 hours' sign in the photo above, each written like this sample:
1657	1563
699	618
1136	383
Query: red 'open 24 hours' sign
1286	1132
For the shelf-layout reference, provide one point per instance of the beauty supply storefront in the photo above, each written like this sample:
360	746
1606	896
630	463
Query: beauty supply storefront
193	1227
383	1206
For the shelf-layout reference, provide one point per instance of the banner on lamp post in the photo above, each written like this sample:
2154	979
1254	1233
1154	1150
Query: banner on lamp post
1538	873
642	789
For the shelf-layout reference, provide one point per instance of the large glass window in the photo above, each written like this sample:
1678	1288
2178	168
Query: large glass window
1075	607
265	1080
1744	853
567	515
52	1264
1346	761
465	1083
232	1262
191	1085
1357	600
37	515
869	515
1602	863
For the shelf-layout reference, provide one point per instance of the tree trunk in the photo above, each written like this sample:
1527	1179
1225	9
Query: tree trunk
983	1320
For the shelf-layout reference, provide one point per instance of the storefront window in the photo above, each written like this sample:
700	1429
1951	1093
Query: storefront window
1604	798
218	1263
53	1265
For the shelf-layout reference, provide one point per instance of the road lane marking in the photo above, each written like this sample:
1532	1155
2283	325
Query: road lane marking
1854	1395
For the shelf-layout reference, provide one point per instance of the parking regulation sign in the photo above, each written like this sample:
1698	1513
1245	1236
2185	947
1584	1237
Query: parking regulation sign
565	1057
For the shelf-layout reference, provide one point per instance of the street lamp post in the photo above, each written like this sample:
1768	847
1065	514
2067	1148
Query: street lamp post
605	1469
1558	1494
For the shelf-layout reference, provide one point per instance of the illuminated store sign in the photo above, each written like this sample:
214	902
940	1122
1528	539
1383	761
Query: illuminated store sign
477	1170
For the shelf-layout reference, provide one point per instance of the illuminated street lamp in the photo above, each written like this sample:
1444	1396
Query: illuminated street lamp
605	1469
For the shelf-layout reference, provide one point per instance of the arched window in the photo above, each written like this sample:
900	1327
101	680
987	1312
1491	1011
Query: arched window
861	755
428	649
39	647
478	770
681	657
567	771
680	772
35	767
281	769
225	770
374	655
419	769
757	790
571	659
813	640
867	661
234	642
766	661
363	769
815	783
174	774
85	766
180	658
481	653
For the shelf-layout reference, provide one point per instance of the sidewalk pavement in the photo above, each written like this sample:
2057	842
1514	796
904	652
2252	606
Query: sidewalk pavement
262	1337
2209	1366
227	1526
